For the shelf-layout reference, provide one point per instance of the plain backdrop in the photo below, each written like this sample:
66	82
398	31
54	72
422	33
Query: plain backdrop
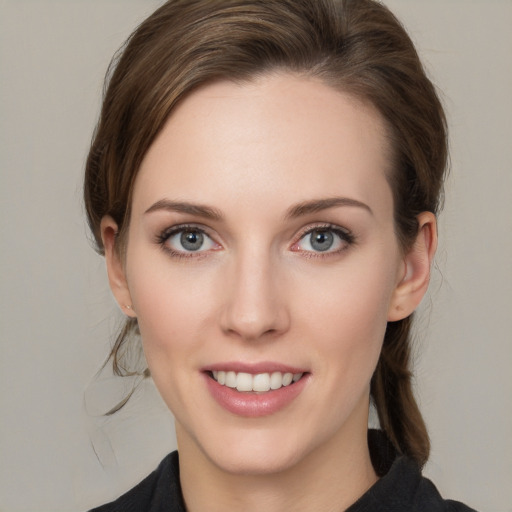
57	451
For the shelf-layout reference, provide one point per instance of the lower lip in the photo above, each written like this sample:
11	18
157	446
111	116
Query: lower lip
251	404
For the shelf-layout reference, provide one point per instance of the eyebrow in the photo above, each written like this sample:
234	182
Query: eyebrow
298	210
317	205
198	210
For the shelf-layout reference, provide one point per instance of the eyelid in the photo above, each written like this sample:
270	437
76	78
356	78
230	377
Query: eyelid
323	225
343	233
163	236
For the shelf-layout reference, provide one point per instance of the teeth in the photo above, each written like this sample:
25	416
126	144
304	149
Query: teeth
244	382
276	380
287	379
230	379
260	382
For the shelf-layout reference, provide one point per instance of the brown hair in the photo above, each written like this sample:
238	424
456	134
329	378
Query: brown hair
356	46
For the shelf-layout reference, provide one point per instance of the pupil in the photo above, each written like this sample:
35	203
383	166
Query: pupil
321	240
191	240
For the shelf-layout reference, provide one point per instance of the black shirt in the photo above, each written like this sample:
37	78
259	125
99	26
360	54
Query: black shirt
401	487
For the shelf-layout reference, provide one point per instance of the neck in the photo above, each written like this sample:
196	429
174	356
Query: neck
329	479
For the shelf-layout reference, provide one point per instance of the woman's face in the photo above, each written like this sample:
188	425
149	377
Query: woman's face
262	247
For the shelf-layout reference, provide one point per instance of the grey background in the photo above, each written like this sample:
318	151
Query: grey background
57	453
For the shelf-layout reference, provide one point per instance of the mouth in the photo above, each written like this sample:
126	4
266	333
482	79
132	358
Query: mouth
259	383
256	389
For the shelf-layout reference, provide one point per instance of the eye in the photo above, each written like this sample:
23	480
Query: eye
324	240
184	240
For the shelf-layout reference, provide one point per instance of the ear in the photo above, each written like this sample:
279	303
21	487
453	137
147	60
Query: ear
416	269
115	267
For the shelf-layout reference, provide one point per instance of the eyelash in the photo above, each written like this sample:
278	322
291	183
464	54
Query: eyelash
346	236
343	234
164	237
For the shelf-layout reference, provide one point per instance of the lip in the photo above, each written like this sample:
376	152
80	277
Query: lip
253	368
254	404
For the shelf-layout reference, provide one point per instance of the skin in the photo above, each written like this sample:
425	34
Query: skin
257	290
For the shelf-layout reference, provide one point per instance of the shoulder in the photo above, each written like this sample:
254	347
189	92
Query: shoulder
401	488
159	491
428	499
404	489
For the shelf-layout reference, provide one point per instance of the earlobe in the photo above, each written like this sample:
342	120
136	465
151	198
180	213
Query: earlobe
115	268
416	273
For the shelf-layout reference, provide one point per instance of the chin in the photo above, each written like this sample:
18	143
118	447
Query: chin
256	451
254	461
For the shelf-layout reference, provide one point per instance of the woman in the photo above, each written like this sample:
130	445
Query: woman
263	183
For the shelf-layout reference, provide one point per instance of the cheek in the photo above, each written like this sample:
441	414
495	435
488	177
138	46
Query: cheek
171	303
172	311
338	310
346	312
350	332
170	316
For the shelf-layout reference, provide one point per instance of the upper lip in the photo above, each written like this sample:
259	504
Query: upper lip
253	368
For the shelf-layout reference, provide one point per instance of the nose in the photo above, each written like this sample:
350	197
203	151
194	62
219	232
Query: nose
254	305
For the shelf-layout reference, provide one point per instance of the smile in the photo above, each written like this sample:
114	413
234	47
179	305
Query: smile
260	382
254	392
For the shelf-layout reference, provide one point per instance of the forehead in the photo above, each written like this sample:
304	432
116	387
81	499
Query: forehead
281	136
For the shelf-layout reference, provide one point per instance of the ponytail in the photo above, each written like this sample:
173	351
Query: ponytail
391	391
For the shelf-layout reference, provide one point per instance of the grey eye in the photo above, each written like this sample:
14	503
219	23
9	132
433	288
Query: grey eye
185	240
191	240
321	240
324	239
